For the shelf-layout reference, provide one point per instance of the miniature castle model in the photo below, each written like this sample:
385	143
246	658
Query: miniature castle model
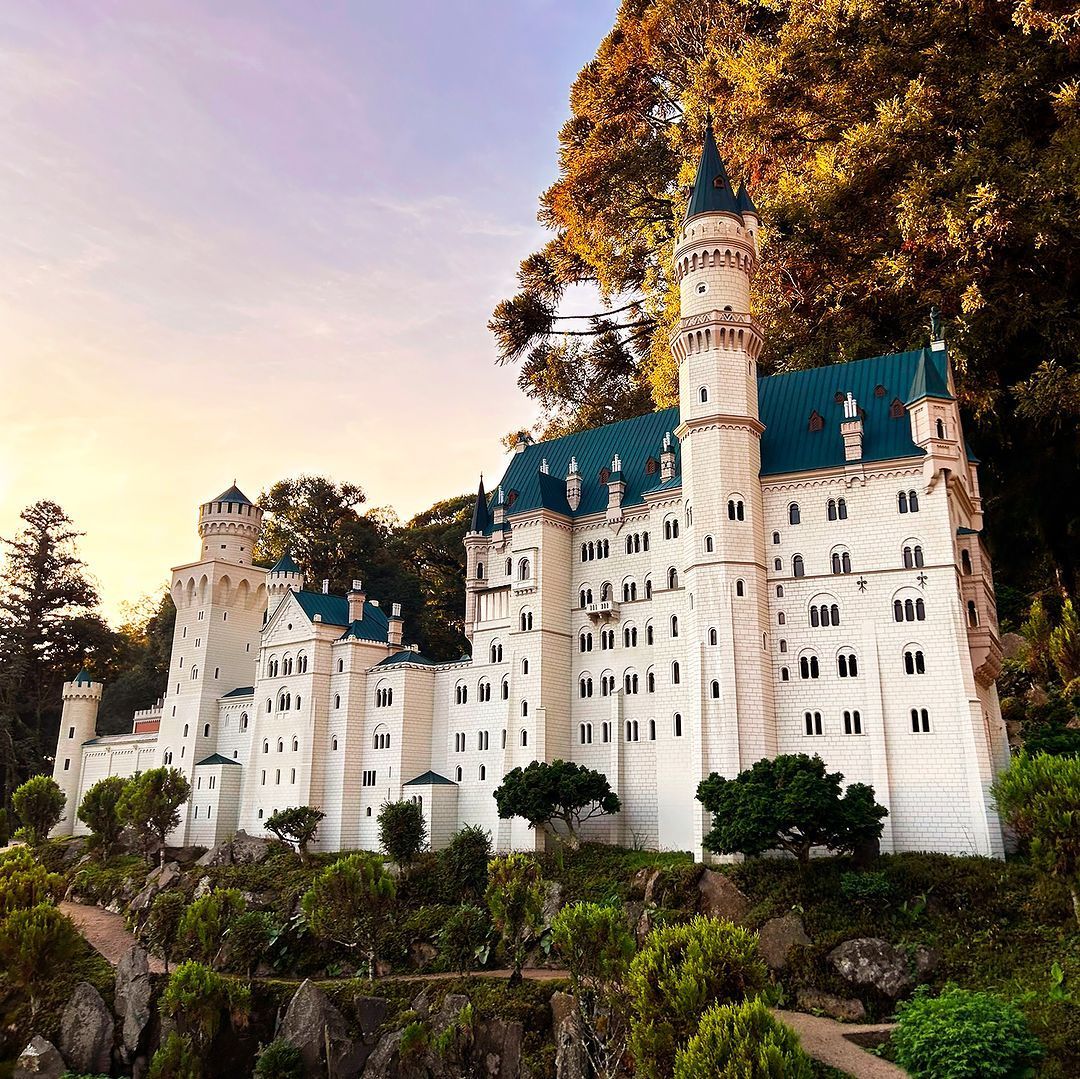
778	565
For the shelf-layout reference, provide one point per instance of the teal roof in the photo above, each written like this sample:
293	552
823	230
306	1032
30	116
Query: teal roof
285	564
83	678
240	691
233	494
480	518
372	627
407	656
712	192
929	380
429	779
332	609
745	202
961	531
216	758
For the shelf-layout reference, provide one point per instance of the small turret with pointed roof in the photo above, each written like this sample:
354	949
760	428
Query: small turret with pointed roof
284	577
713	192
481	519
229	526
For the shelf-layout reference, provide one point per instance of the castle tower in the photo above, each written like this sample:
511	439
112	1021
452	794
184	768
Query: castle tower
220	607
283	578
78	724
476	544
717	343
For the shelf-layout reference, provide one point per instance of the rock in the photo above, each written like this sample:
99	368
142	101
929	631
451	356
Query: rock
219	855
778	936
498	1048
926	961
86	1032
39	1060
718	897
249	849
156	882
383	968
553	900
132	1000
74	851
845	1009
382	1064
870	961
203	888
371	1013
1036	696
318	1030
570	1059
421	954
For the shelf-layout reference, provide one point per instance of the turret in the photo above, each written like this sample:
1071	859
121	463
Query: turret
285	577
616	487
573	485
935	419
667	459
228	527
78	724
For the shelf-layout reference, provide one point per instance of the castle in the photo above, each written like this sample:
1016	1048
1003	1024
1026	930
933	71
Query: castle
777	565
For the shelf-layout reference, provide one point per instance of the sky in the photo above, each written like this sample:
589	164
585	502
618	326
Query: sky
248	239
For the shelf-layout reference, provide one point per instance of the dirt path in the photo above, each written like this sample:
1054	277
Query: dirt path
823	1039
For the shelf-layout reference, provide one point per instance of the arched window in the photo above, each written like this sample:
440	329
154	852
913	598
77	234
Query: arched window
841	508
798	567
648	633
736	510
333	743
585	686
808	666
781	618
648	588
812	720
830	509
243	721
652	730
712	636
965	561
703	395
714	690
586	597
280	746
973	613
776	537
524	737
526	620
496	652
629	591
913	502
784	674
852	723
914	660
847	665
458	773
607	640
524	709
841	562
206	730
675	673
340	665
793	514
676	725
783	644
605	732
901	501
674	625
671	528
482	773
524	569
941	428
920	721
630	683
777	565
269	705
585	733
509	566
672	578
740	588
525	665
650	681
629	636
585	642
506	689
708	545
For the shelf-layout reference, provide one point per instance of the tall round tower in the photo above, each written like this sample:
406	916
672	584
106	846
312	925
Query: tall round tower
228	527
78	724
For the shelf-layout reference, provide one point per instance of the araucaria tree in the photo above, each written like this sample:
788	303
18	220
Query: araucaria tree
515	898
297	826
39	805
151	805
788	803
100	812
560	792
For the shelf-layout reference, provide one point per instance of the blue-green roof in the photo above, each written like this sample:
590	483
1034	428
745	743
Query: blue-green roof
407	656
332	609
429	779
240	691
929	380
480	518
372	627
233	494
712	192
83	678
962	531
285	564
216	758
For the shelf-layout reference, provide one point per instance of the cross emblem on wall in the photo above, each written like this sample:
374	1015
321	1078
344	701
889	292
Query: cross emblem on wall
922	579
861	582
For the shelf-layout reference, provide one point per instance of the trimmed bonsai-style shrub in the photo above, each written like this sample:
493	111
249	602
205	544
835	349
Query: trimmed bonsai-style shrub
163	923
402	831
515	897
39	805
296	826
151	805
100	812
24	882
245	942
33	941
594	942
465	861
197	997
203	926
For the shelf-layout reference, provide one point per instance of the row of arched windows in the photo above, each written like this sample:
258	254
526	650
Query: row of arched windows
285	702
636	542
847	663
632	730
295	745
599	549
283	667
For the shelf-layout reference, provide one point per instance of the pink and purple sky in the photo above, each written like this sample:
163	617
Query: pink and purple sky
256	238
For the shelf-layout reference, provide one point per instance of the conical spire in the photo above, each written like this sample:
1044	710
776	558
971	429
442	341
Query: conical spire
713	192
928	380
745	202
480	516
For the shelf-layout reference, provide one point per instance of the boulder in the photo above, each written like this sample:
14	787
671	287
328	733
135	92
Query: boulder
249	849
718	897
319	1031
39	1060
203	888
156	882
1013	646
845	1009
571	1061
132	1000
497	1048
86	1032
383	1062
778	936
872	962
219	855
371	1013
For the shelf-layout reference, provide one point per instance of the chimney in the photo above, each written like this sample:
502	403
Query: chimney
356	601
852	430
573	485
499	514
667	459
326	587
394	626
544	465
616	489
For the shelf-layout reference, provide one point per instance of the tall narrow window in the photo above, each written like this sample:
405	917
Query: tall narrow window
793	514
798	567
920	721
812	721
676	725
852	723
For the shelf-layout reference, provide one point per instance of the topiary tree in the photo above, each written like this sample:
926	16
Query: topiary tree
789	803
742	1041
151	806
402	831
100	812
34	941
196	998
465	860
348	904
203	926
680	971
1040	799
561	792
39	805
279	1060
25	882
462	935
515	898
297	827
163	923
963	1033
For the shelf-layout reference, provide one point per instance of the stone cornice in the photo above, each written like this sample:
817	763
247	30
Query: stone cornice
720	422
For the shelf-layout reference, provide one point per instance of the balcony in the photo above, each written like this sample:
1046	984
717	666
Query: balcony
604	611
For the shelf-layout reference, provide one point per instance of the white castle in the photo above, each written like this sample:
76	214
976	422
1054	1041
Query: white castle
778	565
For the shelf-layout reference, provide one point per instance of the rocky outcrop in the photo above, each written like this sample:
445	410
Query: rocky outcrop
571	1061
497	1047
778	936
132	1002
156	882
844	1009
86	1032
39	1060
871	962
315	1026
242	849
719	897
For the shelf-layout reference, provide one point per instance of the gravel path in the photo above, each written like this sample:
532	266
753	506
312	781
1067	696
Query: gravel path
823	1039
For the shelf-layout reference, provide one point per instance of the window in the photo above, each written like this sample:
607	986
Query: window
914	661
206	730
712	637
965	561
244	721
524	708
808	667
783	645
972	613
672	578
526	621
777	565
458	773
798	567
676	725
907	502
793	514
941	428
630	682
781	618
648	633
785	675
913	555
629	591
736	511
525	665
340	665
585	642
703	393
708	545
586	597
650	681
920	721
524	737
674	625
384	697
524	570
381	737
607	640
671	528
841	562
482	772
909	610
652	730
714	690
506	689
509	566
847	665
605	731
333	743
496	652
836	509
852	723
585	734
629	634
675	673
825	614
812	721
631	730
607	684
461	694
776	537
740	588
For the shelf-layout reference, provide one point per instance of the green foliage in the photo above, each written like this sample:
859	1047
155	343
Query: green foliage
196	999
1040	798
203	926
1065	645
176	1059
561	791
24	881
515	898
788	802
1053	739
464	862
871	890
349	903
116	878
742	1041
39	805
1036	631
151	805
296	826
679	972
279	1060
5	828
964	1035
593	941
100	812
402	831
246	940
163	922
33	940
462	936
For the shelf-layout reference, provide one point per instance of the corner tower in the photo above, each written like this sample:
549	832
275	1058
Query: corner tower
78	724
717	343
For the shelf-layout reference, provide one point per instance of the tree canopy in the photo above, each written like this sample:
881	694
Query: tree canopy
902	155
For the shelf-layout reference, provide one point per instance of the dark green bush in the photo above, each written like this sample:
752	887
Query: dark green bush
279	1060
465	861
964	1035
866	889
245	941
176	1059
462	936
39	805
163	923
24	882
203	926
402	831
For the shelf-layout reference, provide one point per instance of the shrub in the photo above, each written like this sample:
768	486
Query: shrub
742	1041
196	998
39	805
246	940
866	889
679	972
204	924
100	812
5	828
402	831
465	861
163	923
176	1059
24	882
151	806
462	935
296	826
515	897
594	941
279	1060
34	941
963	1035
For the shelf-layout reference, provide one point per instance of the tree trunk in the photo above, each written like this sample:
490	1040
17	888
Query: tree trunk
1074	891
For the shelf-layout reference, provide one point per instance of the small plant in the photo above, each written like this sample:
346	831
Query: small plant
201	935
742	1041
402	831
870	890
246	940
100	812
465	861
36	940
515	897
963	1035
415	1039
279	1060
197	997
463	935
39	805
297	827
176	1059
24	882
163	923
